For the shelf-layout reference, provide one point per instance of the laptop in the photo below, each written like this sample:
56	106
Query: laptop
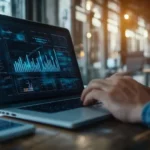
39	76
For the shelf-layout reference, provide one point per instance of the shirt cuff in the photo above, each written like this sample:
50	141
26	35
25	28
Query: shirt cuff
146	114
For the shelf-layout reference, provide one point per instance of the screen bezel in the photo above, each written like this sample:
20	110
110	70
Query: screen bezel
66	31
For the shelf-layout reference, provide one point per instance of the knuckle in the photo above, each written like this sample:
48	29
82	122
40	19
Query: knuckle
129	80
129	77
112	92
94	91
93	83
119	81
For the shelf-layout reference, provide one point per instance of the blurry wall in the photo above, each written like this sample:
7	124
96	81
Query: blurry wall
51	12
100	52
18	8
64	13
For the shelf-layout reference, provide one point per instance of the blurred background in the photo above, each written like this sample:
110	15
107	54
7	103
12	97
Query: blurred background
109	35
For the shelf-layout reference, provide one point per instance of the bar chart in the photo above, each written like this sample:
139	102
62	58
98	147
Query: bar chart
43	63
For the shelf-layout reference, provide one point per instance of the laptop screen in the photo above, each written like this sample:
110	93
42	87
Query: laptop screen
36	61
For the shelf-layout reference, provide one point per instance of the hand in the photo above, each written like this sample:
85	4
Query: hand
121	95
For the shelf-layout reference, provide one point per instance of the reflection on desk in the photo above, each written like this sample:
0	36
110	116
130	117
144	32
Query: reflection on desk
106	135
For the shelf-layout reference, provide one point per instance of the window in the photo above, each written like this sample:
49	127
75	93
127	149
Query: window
114	6
113	33
5	7
14	8
65	14
18	8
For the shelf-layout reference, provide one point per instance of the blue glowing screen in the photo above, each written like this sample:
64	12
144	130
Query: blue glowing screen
36	61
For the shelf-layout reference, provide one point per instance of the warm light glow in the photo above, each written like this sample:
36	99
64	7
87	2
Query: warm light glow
126	16
97	15
82	54
81	17
146	34
96	22
82	141
129	34
89	35
89	5
112	28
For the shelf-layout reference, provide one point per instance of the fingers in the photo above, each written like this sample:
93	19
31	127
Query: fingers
115	82
102	85
118	75
121	75
94	95
128	77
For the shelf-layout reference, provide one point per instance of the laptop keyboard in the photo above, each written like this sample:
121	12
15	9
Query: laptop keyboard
6	125
56	106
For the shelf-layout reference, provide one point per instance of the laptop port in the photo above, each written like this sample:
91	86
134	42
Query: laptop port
13	115
7	114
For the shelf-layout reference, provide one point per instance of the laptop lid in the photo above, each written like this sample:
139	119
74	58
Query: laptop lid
37	61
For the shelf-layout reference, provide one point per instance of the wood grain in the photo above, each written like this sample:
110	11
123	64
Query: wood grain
107	135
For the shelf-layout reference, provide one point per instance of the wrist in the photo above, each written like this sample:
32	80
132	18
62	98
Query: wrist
136	114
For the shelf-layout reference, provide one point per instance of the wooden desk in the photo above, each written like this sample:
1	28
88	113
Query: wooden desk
106	135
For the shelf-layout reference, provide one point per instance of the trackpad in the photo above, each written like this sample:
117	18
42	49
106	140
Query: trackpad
82	114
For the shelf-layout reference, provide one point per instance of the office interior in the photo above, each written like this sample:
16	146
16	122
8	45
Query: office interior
109	36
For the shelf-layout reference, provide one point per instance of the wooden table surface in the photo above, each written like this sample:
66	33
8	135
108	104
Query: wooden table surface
106	135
